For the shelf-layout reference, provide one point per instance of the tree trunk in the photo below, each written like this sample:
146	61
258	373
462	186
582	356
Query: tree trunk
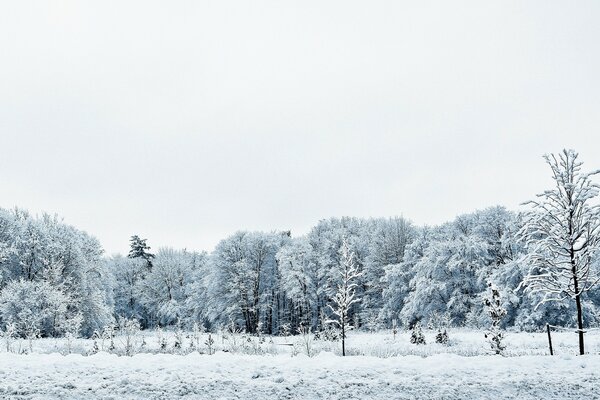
343	335
549	339
580	324
577	299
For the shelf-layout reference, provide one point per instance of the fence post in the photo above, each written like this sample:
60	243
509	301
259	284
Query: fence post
549	339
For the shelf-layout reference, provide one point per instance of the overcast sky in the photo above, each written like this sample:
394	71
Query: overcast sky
186	121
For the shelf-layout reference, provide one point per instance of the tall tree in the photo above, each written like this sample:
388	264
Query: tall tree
345	296
562	232
139	249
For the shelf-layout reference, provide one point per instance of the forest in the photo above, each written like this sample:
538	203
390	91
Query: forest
55	279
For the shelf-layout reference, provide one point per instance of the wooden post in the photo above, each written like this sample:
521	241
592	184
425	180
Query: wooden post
549	339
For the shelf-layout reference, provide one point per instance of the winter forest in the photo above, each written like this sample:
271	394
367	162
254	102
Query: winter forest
300	200
345	274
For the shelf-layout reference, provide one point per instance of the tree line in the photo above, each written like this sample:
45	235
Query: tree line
54	278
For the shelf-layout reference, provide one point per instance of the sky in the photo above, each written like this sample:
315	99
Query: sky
186	121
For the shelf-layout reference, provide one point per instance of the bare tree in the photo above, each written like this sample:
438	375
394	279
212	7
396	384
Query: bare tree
562	232
345	295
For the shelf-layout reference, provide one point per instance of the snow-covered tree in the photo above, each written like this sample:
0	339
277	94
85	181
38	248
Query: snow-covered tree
127	275
496	312
416	334
139	249
345	295
242	283
387	241
36	308
302	283
562	230
162	290
449	266
326	239
398	277
45	249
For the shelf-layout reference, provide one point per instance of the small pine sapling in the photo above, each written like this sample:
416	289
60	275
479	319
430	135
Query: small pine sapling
442	336
95	336
95	348
441	322
109	334
162	340
496	312
417	336
210	343
178	345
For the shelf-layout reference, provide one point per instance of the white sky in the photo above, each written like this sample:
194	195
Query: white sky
185	121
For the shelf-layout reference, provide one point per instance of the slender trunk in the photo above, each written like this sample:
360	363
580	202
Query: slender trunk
580	324
576	288
343	335
578	303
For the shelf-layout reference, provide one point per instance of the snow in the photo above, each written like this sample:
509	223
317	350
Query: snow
458	371
229	376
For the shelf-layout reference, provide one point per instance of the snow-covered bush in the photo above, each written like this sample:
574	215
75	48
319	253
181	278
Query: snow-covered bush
285	329
129	330
9	335
307	338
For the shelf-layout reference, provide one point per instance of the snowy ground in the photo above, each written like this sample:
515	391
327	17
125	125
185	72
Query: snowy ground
463	342
228	376
461	371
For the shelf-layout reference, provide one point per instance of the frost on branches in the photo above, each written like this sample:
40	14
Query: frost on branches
345	296
562	232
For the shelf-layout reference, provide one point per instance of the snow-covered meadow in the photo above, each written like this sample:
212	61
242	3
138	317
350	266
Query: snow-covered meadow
378	365
381	344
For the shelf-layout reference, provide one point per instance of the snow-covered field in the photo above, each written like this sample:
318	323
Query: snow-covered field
390	369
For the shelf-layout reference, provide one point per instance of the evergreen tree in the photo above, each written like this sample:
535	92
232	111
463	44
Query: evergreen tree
139	249
496	312
416	335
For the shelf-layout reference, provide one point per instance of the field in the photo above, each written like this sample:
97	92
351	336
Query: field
379	366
